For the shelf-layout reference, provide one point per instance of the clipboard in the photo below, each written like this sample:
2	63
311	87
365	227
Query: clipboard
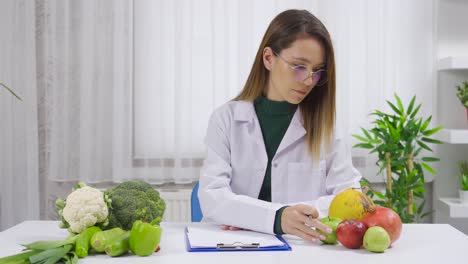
236	245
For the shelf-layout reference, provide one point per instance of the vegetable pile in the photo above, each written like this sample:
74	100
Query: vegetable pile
113	222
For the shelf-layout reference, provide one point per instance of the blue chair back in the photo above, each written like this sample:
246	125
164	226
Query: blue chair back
195	205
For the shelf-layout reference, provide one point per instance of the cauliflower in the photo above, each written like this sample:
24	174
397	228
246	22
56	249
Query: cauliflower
84	207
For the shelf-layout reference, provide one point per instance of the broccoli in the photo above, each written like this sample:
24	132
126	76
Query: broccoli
134	200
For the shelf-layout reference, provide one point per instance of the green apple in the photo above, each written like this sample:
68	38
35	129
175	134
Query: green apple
332	222
376	239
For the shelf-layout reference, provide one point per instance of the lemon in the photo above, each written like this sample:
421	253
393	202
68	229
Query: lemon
351	204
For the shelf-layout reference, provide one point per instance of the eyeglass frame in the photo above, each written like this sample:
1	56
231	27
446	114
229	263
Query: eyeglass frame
309	74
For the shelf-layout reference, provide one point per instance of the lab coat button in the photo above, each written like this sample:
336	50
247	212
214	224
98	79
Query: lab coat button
275	165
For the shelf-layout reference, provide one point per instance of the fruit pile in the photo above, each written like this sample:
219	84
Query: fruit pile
356	222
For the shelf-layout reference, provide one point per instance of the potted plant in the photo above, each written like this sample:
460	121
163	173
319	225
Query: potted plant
462	94
399	139
11	91
463	165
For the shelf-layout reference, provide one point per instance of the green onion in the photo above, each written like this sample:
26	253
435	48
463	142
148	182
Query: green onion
54	254
45	245
19	258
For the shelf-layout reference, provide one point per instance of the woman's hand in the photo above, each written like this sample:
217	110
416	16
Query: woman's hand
232	228
301	220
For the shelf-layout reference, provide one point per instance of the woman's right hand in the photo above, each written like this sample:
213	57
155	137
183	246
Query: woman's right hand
302	221
232	228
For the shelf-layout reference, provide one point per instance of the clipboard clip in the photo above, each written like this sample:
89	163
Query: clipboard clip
237	245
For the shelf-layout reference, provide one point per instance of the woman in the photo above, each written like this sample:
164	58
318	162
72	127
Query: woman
274	159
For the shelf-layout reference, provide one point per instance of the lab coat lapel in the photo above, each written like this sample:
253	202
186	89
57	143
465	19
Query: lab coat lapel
295	132
245	112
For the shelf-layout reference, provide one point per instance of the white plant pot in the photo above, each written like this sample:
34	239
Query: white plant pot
463	197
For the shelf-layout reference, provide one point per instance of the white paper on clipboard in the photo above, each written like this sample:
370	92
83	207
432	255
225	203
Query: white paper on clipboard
210	235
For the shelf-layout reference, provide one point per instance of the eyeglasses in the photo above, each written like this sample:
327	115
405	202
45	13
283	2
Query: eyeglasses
301	73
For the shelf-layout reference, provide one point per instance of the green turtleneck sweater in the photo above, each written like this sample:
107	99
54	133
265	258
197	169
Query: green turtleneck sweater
274	118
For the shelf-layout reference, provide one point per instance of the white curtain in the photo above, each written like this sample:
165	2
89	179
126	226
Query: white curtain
191	57
86	58
84	52
19	174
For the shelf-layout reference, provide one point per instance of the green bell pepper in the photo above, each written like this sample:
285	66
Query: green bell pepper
144	238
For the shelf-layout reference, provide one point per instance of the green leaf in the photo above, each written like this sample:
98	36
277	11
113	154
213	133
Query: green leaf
395	109
432	131
378	113
366	133
429	168
420	189
364	145
411	105
402	122
415	111
430	159
382	203
411	176
424	146
400	105
380	195
373	151
426	123
418	195
426	214
430	140
360	138
418	124
364	182
393	132
416	153
381	125
11	91
380	171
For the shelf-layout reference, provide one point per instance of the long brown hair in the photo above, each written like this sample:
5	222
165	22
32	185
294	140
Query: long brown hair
318	108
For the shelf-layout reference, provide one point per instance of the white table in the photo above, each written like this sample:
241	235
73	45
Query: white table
418	243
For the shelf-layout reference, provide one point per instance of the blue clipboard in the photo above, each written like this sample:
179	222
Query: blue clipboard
236	246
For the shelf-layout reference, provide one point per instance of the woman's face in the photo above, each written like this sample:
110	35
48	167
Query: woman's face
285	83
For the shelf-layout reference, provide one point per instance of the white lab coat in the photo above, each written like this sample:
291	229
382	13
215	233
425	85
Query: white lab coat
236	162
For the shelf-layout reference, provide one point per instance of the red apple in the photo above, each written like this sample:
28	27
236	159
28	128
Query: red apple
386	218
350	233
